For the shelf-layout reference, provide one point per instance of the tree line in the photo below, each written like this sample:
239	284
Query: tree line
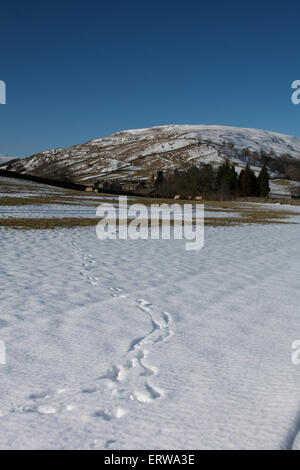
284	163
211	183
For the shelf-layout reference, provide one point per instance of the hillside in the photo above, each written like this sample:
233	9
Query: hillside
5	158
136	154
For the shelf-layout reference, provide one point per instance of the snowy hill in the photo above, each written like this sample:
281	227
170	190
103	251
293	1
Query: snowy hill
138	153
5	159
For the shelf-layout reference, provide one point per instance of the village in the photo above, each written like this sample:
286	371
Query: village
143	187
117	185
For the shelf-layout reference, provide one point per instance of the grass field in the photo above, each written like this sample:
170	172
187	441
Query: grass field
18	194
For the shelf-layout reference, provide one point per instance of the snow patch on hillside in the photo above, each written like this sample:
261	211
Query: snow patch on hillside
254	139
5	158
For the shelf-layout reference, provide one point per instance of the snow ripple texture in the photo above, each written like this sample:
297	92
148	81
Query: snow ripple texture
139	344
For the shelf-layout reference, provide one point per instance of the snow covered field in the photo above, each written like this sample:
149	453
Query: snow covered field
143	345
283	188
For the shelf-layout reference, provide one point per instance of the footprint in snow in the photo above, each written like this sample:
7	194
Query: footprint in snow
109	415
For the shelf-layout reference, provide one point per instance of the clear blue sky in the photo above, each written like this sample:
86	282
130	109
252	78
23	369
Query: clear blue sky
79	71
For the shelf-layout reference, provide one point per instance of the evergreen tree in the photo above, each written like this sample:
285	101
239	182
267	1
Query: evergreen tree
233	179
263	187
227	178
247	182
158	179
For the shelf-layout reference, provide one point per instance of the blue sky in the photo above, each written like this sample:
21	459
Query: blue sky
79	71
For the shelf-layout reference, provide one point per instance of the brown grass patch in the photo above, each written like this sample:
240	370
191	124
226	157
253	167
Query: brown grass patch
42	224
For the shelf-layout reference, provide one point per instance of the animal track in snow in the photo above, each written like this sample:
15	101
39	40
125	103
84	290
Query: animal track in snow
127	380
108	415
41	409
148	395
118	376
292	440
